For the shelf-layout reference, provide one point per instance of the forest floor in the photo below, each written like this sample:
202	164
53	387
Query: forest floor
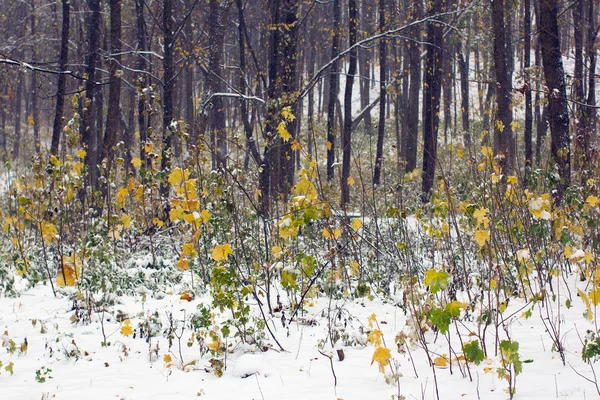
65	359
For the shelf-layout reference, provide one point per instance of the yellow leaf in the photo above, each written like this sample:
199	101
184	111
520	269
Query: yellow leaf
382	357
328	233
486	151
126	221
356	224
187	296
296	146
68	275
480	214
55	161
167	358
205	214
283	132
148	147
350	181
158	222
183	264
375	337
121	193
441	361
176	177
81	153
481	236
214	345
592	201
221	252
176	214
589	315
287	113
512	180
30	120
493	284
371	320
136	162
126	328
188	249
277	251
329	145
49	232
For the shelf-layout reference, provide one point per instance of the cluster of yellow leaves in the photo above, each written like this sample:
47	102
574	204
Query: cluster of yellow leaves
221	252
482	233
126	328
382	355
70	271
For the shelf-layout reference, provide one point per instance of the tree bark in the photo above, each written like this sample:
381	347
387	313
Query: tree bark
503	135
333	90
527	136
347	138
432	87
382	97
114	89
412	114
557	98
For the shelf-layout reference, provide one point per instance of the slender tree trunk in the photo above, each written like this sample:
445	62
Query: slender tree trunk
464	94
364	60
382	97
503	135
17	117
347	139
34	93
333	90
557	100
526	86
167	101
242	84
432	86
412	115
114	89
89	132
142	80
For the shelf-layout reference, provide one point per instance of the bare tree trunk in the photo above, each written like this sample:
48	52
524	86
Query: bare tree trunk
432	87
114	90
527	88
333	90
503	135
34	94
364	59
347	139
382	97
167	101
142	80
242	84
17	117
89	132
464	94
557	100
412	114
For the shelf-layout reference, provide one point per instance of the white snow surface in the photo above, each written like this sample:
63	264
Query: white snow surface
124	370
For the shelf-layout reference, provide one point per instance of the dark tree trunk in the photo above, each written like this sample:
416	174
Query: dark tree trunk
412	114
89	131
34	93
503	135
557	100
114	90
432	87
382	97
167	100
218	10
142	80
464	95
364	60
333	90
17	117
589	113
347	138
242	84
527	86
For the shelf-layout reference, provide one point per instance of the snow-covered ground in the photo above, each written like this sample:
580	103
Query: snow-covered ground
131	368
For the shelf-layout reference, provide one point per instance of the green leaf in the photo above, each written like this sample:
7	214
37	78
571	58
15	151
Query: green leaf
453	308
436	280
472	352
440	318
9	368
510	352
